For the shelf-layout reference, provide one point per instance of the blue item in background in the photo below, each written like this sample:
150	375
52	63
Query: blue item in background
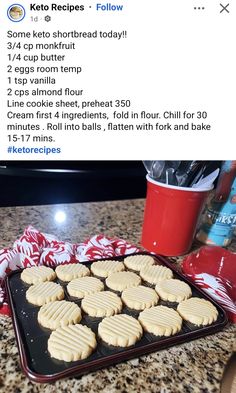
219	220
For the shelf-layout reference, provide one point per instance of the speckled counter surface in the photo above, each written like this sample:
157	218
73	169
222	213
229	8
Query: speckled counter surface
196	366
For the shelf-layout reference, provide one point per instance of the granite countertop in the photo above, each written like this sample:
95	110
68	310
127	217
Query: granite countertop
196	366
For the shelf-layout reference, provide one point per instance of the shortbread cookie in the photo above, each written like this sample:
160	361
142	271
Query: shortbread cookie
71	271
59	313
173	290
122	280
137	262
35	274
160	320
44	292
71	343
120	330
198	311
105	268
80	287
139	298
102	304
156	273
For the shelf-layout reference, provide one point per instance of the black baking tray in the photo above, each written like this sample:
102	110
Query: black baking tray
32	338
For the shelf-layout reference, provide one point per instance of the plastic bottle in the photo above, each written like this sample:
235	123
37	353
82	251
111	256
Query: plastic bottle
219	220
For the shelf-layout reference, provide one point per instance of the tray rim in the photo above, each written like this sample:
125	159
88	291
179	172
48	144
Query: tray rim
129	353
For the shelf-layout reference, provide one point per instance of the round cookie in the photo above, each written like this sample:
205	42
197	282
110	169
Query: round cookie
35	274
80	287
44	292
139	298
160	320
120	330
70	271
105	268
156	273
173	290
102	304
137	262
198	311
60	313
71	343
122	280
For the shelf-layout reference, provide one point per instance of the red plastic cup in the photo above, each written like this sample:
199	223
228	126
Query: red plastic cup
171	217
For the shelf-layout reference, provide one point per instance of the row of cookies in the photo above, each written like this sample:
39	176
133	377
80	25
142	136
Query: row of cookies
134	295
37	274
75	342
99	304
103	269
68	272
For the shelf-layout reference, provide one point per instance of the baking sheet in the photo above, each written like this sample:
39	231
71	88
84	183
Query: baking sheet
32	338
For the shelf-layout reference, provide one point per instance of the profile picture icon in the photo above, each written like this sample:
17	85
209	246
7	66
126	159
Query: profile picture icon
16	12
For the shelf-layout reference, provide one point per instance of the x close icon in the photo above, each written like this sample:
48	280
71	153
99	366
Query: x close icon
224	8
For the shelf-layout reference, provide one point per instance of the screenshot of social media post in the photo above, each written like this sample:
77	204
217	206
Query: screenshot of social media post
117	80
118	196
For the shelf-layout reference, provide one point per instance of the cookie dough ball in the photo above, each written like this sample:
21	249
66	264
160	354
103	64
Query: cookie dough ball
102	304
137	262
71	270
120	330
173	290
80	287
139	298
105	268
198	311
154	274
35	274
161	321
71	343
58	314
122	280
44	292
